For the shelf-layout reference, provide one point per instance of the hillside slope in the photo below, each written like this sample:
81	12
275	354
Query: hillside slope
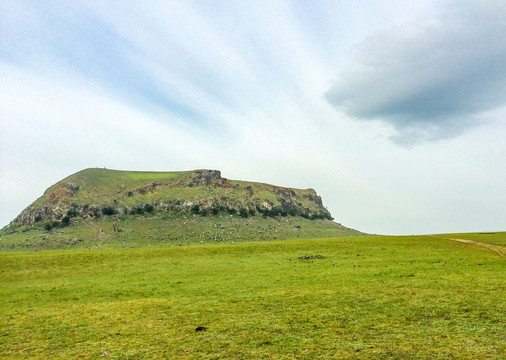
97	207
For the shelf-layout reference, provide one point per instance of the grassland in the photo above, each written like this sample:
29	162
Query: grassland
384	297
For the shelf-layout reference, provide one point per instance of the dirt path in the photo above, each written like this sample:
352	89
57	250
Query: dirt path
498	249
101	236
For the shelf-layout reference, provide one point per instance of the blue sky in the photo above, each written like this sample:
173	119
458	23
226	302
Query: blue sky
392	110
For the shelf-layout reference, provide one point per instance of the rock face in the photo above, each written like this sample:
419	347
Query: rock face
99	192
205	177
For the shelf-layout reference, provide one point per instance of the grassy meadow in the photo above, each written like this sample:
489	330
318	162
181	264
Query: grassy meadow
414	297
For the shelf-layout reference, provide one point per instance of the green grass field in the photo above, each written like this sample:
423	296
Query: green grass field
368	298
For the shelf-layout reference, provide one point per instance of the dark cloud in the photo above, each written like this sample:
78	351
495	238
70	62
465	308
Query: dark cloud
430	81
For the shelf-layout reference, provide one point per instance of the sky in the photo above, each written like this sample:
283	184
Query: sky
392	110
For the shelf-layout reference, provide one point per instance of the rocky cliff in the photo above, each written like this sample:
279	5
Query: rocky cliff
93	193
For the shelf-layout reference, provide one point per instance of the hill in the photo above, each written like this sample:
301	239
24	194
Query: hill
101	207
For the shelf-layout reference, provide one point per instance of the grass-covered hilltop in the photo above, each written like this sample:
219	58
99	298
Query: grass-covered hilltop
101	207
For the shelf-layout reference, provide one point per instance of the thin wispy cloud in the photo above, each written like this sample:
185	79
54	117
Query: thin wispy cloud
240	86
432	79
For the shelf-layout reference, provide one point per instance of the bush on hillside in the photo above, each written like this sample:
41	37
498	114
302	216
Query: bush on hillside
275	211
51	225
72	213
243	212
108	210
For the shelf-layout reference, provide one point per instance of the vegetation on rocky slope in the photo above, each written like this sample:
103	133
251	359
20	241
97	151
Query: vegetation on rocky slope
100	207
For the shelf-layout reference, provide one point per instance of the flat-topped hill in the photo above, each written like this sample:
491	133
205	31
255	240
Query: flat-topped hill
128	207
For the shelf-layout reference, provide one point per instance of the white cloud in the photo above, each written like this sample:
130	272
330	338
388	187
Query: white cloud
237	87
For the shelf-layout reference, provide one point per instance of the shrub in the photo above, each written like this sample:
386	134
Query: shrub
130	194
72	213
323	215
65	221
251	212
243	213
51	225
195	209
37	218
108	210
275	211
149	208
